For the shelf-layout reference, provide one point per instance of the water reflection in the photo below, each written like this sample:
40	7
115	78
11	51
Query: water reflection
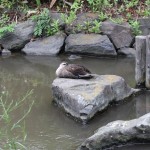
48	127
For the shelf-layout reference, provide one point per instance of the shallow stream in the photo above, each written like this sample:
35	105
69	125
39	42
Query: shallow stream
47	126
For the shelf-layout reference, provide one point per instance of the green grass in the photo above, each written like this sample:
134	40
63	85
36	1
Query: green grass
12	130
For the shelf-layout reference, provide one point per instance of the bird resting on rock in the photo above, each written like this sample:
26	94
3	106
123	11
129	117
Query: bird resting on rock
73	71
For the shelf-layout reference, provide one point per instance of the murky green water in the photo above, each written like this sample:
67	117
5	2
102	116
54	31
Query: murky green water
48	127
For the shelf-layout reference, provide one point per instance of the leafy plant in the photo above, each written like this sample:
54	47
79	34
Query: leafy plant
130	4
6	4
54	28
79	27
38	3
121	8
135	27
99	5
5	25
95	27
68	19
76	5
5	29
91	27
129	16
13	4
117	20
87	26
147	10
44	24
102	16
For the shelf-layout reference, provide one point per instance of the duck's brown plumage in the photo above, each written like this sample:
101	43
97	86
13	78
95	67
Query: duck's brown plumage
66	70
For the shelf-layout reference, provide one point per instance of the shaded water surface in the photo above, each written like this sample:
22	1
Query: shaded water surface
48	127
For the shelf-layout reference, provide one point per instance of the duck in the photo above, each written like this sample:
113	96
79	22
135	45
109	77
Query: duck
73	71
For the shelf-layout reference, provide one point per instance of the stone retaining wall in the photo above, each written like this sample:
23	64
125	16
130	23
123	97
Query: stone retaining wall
113	39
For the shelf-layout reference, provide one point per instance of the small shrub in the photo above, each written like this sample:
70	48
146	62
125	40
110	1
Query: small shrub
91	27
130	4
5	29
99	5
5	25
135	27
87	26
102	16
147	10
44	24
38	3
95	27
68	19
54	28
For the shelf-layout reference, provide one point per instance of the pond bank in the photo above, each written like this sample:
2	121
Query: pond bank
112	40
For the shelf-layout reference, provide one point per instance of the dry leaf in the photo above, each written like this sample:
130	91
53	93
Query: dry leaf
52	3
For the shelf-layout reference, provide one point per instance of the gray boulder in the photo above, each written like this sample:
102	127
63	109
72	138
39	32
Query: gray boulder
144	25
108	26
121	36
5	52
127	52
47	46
86	17
119	132
92	44
22	34
83	98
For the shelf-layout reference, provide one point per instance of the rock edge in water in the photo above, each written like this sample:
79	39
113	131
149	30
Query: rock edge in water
118	133
84	98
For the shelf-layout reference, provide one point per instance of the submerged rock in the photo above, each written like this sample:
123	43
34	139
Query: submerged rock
73	57
127	52
90	44
5	52
118	133
47	46
22	34
83	98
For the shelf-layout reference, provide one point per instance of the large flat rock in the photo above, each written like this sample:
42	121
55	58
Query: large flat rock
90	44
119	132
51	45
83	98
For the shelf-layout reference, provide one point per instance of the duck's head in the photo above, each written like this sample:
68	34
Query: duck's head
63	64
